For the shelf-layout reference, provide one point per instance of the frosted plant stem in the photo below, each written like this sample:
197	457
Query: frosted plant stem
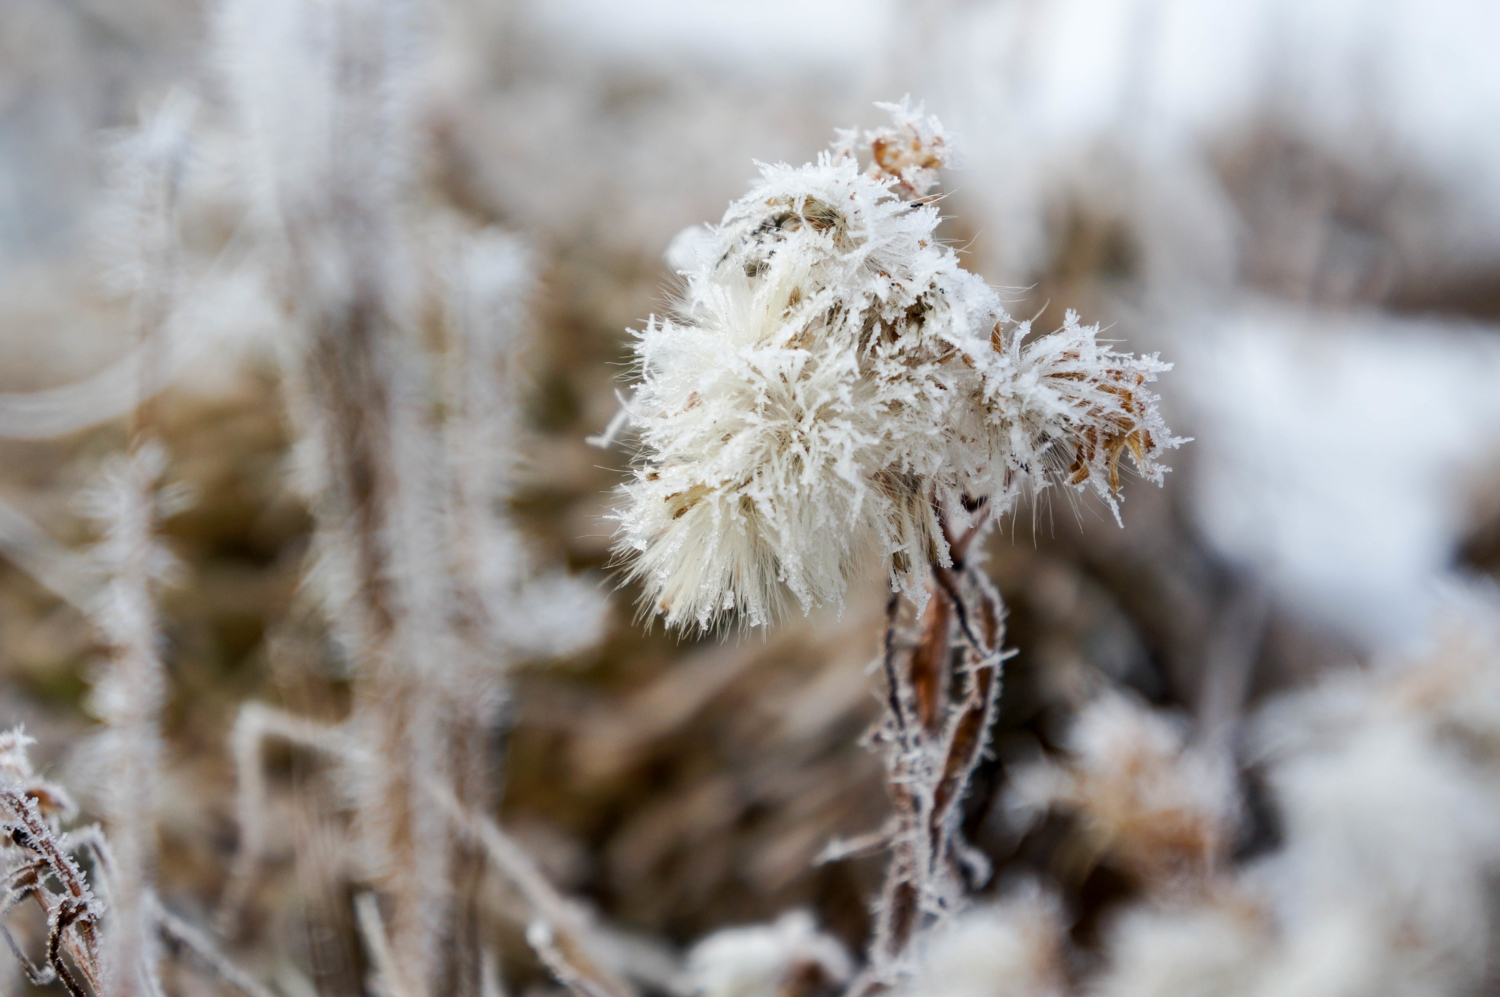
53	566
73	914
184	937
129	696
939	708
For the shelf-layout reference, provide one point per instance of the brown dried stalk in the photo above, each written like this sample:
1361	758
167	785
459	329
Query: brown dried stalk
941	696
72	912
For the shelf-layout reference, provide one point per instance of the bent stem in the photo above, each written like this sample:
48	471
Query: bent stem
941	694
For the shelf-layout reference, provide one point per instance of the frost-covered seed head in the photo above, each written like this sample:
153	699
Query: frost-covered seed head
789	957
1012	948
1154	805
832	377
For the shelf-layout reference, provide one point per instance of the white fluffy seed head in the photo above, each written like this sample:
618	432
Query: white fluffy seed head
789	956
832	376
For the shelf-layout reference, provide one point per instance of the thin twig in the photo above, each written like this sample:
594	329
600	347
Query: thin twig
377	943
183	936
931	754
560	930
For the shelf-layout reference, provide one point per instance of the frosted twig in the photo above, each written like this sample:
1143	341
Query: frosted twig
127	503
939	710
55	567
859	846
73	914
181	935
567	964
256	724
489	974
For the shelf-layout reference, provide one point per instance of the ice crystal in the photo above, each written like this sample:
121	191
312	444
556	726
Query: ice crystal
832	377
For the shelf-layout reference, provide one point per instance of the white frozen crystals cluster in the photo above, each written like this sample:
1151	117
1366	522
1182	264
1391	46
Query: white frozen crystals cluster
832	378
909	151
786	958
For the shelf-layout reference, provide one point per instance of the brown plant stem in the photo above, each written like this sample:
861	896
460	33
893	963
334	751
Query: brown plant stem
940	704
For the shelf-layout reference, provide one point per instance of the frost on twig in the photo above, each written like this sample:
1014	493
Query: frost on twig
941	691
387	970
188	942
253	728
117	954
35	856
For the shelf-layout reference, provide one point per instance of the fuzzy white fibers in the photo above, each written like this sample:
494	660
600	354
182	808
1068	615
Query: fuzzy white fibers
760	961
1392	834
832	376
1007	949
1380	888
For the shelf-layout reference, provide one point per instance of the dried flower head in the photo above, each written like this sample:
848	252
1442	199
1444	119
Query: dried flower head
1013	948
1144	797
789	958
833	376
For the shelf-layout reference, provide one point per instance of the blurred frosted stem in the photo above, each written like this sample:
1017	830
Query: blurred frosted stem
372	929
153	162
129	697
560	933
485	316
128	505
126	502
188	940
405	463
53	566
333	140
254	726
